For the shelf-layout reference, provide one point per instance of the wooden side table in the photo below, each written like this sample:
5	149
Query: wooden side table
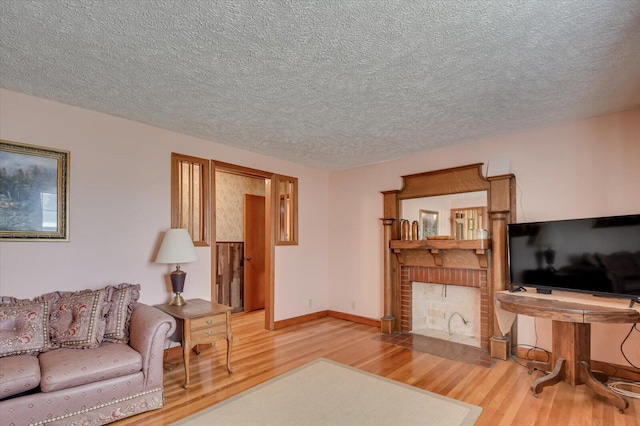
202	322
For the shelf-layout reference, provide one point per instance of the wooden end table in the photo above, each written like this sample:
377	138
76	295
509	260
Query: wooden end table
202	322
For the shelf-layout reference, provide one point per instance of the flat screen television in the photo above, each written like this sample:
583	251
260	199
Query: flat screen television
595	255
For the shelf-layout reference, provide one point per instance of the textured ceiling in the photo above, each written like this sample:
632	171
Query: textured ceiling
330	84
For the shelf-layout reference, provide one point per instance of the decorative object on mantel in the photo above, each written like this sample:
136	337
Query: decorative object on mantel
482	234
405	230
414	230
428	223
34	193
177	247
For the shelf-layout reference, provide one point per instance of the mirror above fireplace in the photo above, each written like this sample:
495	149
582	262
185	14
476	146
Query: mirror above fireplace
436	215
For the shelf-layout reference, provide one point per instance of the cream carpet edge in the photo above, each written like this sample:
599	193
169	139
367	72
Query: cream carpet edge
469	420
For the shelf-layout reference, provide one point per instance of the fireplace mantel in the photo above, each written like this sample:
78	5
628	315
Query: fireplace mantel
449	259
437	249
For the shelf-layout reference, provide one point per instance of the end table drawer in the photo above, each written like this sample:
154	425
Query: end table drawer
206	334
208	322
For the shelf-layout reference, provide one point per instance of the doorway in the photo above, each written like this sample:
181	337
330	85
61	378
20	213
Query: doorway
254	283
248	193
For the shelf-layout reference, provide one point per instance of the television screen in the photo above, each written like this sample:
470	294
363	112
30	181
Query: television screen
595	255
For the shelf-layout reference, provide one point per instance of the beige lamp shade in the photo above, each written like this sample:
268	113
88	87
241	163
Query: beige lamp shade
177	247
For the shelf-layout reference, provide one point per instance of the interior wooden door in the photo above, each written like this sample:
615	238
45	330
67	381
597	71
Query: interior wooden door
255	278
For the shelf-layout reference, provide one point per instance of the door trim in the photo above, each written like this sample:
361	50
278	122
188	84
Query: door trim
269	302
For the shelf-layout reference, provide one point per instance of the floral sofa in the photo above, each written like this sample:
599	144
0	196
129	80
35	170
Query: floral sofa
86	358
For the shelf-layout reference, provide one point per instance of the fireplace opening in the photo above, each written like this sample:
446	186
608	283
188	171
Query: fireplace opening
447	312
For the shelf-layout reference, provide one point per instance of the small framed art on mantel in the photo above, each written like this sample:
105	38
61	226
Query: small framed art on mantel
428	223
34	193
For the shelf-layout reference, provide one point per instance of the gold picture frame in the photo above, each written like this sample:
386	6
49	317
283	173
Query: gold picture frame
428	223
34	193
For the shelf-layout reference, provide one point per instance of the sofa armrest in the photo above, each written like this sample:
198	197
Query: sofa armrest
147	335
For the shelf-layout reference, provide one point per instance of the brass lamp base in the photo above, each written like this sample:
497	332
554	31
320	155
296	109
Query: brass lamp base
178	300
177	285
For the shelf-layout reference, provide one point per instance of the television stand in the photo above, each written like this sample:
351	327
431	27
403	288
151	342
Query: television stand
571	340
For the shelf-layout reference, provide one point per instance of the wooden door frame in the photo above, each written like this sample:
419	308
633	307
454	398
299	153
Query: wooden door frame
269	260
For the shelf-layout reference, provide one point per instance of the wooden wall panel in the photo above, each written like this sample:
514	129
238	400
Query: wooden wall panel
230	273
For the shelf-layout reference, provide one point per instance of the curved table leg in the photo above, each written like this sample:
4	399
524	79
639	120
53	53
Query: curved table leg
229	344
598	387
185	354
556	376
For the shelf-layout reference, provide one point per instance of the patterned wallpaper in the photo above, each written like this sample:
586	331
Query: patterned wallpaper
230	190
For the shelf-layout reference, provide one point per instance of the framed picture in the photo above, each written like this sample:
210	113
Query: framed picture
428	223
34	193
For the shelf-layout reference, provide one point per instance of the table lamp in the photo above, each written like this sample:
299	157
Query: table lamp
177	247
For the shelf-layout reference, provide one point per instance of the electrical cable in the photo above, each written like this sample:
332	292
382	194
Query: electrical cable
522	215
616	387
634	326
532	348
528	355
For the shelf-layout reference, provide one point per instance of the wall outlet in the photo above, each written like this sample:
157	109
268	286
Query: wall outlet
353	305
310	302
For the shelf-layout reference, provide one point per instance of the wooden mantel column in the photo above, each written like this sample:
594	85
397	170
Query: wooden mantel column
499	345
388	321
502	211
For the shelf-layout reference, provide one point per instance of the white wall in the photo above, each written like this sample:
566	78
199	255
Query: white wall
120	206
577	169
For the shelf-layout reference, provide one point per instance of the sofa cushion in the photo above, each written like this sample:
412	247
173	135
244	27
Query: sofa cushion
64	368
24	327
122	298
78	320
18	374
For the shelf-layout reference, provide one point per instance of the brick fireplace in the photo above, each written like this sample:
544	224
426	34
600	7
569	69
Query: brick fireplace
448	276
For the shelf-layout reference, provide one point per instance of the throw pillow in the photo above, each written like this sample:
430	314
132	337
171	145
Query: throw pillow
24	328
78	320
123	298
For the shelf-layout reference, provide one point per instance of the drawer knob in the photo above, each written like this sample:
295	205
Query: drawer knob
210	332
209	321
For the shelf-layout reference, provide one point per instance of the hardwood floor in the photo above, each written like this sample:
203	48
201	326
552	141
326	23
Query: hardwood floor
258	355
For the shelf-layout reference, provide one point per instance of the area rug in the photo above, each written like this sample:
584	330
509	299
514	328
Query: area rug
324	392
